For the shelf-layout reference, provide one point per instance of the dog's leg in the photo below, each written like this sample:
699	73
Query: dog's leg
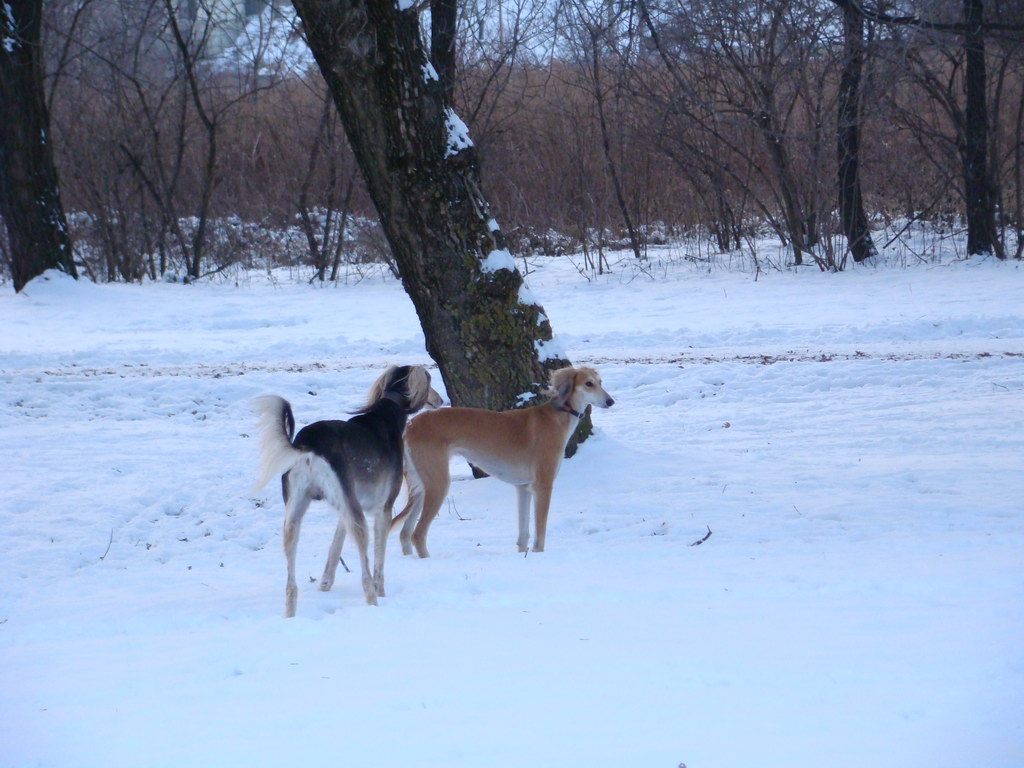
333	556
351	512
413	504
541	502
294	511
523	496
357	528
432	470
355	521
412	511
382	527
433	497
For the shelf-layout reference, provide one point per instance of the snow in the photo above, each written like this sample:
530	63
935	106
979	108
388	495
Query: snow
525	294
270	45
10	42
552	349
525	397
497	259
853	442
457	132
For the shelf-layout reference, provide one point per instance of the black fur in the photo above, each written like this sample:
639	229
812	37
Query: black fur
374	435
288	420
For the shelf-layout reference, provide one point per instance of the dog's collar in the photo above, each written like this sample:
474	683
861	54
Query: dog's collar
566	409
396	398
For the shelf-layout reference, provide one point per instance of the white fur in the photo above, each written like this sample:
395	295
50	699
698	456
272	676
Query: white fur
310	477
277	455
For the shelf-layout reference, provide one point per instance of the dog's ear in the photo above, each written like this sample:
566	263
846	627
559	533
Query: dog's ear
431	398
565	388
417	385
562	382
380	386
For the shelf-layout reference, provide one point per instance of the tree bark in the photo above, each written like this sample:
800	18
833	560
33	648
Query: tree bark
444	15
851	201
606	145
764	119
972	143
979	193
491	342
29	192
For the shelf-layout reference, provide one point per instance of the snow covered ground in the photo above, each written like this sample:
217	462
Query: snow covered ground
855	443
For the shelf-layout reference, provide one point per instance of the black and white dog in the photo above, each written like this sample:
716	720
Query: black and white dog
353	465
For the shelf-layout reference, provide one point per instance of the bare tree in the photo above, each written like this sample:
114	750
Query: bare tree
757	63
325	228
851	199
500	50
1008	138
490	340
30	202
593	120
593	30
970	119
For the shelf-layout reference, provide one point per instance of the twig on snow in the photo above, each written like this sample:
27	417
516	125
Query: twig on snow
109	543
453	508
707	536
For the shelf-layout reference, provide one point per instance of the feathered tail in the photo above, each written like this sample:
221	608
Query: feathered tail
277	428
414	490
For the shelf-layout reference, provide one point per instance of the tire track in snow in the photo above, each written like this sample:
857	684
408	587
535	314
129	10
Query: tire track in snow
222	370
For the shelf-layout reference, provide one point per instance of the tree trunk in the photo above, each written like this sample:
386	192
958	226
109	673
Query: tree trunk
317	251
978	188
490	341
795	221
29	193
851	201
444	15
606	146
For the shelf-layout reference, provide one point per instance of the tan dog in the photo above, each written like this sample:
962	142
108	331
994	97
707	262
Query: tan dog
523	447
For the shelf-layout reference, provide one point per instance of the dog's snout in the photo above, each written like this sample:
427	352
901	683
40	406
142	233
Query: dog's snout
609	402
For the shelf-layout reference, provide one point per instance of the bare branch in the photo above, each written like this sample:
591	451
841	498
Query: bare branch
707	536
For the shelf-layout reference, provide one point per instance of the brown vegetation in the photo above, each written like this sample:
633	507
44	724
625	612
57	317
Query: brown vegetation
731	132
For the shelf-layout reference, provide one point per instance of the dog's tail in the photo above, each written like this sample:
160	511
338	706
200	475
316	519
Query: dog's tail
414	489
277	428
399	519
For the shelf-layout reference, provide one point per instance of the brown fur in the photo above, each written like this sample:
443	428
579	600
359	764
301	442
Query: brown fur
522	447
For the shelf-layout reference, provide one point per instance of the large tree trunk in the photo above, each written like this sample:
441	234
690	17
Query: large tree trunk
851	201
29	194
978	187
491	342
